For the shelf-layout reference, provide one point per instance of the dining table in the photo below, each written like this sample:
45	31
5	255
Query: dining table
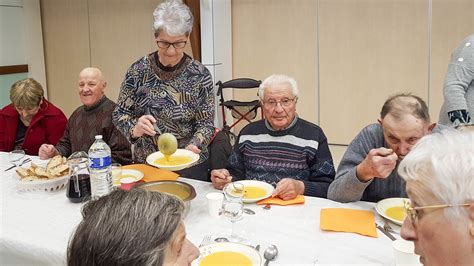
37	226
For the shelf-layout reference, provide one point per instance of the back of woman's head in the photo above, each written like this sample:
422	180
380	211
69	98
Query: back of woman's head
26	94
126	228
174	17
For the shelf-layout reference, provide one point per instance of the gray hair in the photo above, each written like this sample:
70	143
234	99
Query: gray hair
443	163
405	103
126	228
174	17
277	79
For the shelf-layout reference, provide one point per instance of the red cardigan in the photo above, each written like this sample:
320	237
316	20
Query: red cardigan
47	126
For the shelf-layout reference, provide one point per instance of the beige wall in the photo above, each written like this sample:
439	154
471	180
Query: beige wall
368	50
66	48
277	36
348	56
107	34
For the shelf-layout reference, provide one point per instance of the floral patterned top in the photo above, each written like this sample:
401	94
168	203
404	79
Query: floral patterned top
181	98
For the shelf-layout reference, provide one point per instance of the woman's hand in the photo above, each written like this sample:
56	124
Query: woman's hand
193	148
144	126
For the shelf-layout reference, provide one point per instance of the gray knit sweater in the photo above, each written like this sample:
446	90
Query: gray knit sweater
347	187
458	88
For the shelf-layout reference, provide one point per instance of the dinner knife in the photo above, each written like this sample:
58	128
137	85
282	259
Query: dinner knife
27	160
11	167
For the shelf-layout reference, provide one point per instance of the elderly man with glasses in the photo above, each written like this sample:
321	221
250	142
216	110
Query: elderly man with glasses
439	174
282	149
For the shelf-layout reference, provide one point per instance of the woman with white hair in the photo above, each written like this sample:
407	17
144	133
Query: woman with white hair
169	91
439	174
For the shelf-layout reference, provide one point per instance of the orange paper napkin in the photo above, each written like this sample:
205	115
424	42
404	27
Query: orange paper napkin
277	201
348	220
151	173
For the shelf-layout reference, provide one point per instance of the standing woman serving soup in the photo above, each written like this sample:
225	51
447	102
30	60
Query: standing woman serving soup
169	90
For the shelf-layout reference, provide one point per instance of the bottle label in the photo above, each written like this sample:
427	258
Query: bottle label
100	162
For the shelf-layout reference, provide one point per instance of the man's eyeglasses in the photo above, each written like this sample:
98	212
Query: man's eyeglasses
286	102
176	45
412	212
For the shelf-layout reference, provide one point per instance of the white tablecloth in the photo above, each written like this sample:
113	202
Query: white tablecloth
36	227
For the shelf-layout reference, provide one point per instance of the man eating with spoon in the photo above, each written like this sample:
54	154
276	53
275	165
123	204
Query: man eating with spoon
282	149
368	169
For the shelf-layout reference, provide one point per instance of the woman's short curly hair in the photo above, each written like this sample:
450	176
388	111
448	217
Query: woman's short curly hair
174	17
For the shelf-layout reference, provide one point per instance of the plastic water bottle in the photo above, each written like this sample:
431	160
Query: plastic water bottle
100	167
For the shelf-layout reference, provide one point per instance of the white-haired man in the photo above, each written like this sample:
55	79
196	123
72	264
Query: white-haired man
282	149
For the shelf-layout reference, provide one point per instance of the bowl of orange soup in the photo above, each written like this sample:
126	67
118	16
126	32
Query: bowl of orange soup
227	253
179	160
182	190
254	190
392	209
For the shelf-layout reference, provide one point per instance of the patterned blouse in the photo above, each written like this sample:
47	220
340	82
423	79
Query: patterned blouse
181	98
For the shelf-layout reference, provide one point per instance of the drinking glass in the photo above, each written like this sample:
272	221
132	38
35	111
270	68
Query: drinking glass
15	157
116	174
233	206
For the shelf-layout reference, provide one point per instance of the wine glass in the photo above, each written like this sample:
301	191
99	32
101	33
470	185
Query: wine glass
233	206
116	174
15	157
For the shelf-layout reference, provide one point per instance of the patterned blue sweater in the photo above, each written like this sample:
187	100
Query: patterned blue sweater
300	152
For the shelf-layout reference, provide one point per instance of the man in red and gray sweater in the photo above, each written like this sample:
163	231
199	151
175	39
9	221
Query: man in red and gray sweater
93	118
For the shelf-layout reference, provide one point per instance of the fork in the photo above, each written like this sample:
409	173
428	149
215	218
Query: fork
387	233
27	160
205	241
387	227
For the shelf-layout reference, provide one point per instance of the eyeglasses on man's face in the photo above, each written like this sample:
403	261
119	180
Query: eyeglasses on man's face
413	212
285	102
176	45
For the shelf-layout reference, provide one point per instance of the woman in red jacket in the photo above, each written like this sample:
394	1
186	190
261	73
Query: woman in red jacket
30	120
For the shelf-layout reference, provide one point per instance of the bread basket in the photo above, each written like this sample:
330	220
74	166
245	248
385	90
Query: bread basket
57	179
43	185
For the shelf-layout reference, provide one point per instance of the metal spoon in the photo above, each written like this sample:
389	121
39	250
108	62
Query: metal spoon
249	211
270	253
221	239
